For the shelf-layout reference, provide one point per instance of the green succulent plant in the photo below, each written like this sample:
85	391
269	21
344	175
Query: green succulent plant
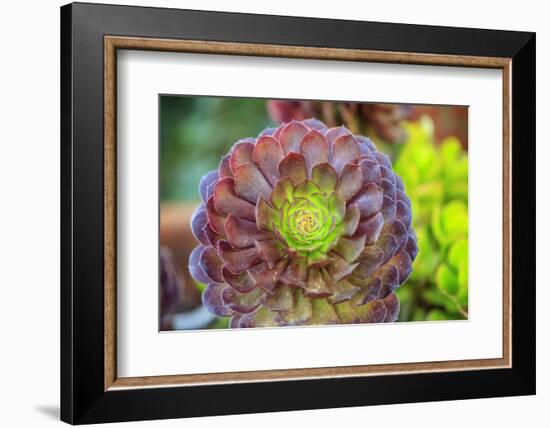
436	178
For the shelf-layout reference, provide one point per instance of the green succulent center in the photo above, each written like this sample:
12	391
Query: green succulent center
306	223
310	221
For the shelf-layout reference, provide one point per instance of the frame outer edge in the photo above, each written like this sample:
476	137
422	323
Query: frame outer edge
82	400
66	217
523	220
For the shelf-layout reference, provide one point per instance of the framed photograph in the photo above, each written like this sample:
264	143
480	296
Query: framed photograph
276	213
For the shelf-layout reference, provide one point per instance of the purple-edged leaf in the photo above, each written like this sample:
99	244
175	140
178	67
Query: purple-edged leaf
237	260
300	313
411	247
370	289
212	236
293	166
278	130
345	150
388	188
323	313
351	220
315	124
242	303
383	159
343	290
399	182
389	275
368	262
388	244
337	205
324	176
371	228
293	254
350	182
267	132
281	300
389	208
267	154
387	174
316	285
194	266
227	202
401	196
216	221
296	273
346	313
269	251
199	219
241	153
250	183
371	158
339	268
314	147
243	233
392	308
370	201
318	259
261	317
403	263
333	133
210	190
372	312
305	189
399	232
206	181
266	277
212	300
211	264
282	192
371	171
365	144
266	216
350	248
242	282
224	169
291	135
403	213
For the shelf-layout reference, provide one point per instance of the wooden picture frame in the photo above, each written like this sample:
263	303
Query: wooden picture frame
91	390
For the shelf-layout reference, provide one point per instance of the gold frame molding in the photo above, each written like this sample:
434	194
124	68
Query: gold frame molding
113	43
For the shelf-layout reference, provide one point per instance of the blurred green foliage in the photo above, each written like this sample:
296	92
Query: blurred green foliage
195	132
436	180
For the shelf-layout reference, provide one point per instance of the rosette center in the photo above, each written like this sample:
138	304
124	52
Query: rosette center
306	222
309	221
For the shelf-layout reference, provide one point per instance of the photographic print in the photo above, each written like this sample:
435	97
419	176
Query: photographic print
279	213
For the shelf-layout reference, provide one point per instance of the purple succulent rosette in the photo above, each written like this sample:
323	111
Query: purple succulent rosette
303	225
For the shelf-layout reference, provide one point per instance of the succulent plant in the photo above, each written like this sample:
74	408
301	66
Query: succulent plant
380	120
303	225
452	276
452	121
436	176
